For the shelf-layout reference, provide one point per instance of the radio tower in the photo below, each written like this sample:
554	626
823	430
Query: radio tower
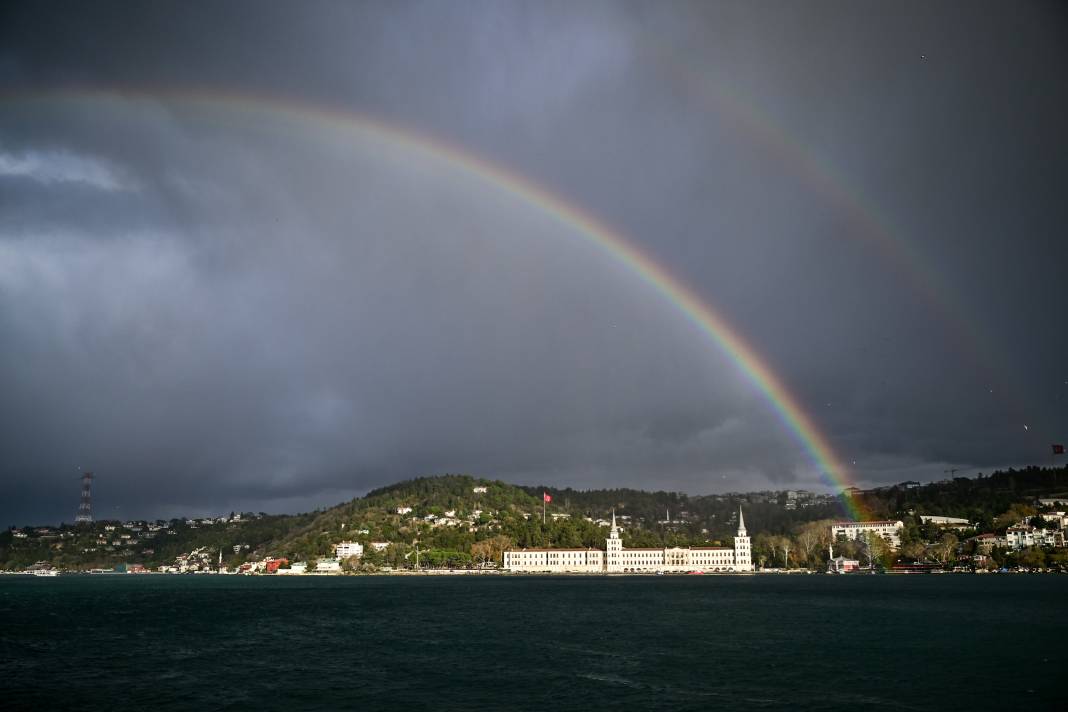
85	509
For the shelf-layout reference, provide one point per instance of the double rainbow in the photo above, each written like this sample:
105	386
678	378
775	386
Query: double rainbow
614	245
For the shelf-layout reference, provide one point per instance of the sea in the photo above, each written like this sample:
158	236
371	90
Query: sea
763	642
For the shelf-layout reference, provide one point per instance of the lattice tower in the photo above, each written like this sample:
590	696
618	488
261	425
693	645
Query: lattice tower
85	509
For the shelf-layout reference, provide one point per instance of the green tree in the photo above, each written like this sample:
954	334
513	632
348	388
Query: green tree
1014	514
876	548
946	548
1032	557
812	540
913	551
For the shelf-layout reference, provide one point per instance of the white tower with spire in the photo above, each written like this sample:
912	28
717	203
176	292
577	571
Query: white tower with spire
743	553
613	560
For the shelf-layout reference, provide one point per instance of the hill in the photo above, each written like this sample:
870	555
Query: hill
979	499
449	516
458	520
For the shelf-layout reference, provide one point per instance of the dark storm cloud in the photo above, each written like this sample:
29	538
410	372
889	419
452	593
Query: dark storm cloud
219	309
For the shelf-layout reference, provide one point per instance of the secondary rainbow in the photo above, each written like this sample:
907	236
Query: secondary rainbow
717	95
577	220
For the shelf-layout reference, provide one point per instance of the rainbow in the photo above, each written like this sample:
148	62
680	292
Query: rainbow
610	242
869	224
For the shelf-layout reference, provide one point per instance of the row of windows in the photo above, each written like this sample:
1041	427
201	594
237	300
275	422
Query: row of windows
628	556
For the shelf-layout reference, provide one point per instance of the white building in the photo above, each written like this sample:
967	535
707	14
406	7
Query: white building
1023	536
1057	519
617	559
404	510
297	569
1019	537
556	560
348	548
330	566
479	490
379	545
890	531
948	522
986	542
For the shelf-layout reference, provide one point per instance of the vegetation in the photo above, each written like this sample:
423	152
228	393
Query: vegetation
105	544
462	521
981	499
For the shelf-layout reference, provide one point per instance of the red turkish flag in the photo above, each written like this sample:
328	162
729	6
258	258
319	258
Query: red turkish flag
546	497
1058	449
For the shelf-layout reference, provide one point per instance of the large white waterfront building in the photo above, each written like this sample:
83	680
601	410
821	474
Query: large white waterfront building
618	559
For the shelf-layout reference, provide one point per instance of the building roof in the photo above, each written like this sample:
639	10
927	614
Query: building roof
575	551
879	523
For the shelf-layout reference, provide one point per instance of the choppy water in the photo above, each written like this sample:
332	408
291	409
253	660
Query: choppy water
760	642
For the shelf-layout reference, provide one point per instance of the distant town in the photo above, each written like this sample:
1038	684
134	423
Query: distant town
1013	521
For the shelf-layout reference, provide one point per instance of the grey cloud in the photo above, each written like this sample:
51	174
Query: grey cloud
271	315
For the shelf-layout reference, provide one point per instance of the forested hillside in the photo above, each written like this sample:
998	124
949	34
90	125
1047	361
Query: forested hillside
459	520
979	499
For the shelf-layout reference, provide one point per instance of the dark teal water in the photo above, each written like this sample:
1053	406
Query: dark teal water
533	643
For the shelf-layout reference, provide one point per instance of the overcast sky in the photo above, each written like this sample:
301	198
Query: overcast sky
219	305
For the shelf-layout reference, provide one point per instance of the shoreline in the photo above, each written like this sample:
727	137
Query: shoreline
520	574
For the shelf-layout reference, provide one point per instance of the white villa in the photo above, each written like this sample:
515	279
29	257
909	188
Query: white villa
890	531
332	566
1024	536
345	549
617	559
